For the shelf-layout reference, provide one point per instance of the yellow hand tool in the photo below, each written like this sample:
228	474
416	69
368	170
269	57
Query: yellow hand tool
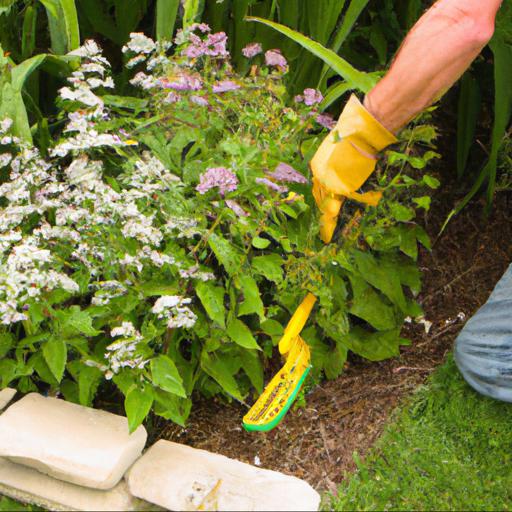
343	162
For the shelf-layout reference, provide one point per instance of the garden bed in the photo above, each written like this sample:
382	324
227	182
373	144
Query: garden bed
347	415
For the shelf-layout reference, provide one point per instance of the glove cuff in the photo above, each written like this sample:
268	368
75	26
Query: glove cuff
362	127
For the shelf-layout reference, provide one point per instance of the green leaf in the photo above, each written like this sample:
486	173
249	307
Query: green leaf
251	364
172	407
272	327
158	288
382	277
260	243
423	202
165	375
400	212
166	11
252	302
55	354
6	343
127	102
368	305
431	182
269	266
215	366
227	254
89	378
374	346
212	299
137	405
357	79
408	240
241	334
22	71
74	320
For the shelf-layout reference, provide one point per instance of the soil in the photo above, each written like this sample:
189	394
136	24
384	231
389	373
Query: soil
348	414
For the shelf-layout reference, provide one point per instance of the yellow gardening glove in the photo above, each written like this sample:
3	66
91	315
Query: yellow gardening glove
345	160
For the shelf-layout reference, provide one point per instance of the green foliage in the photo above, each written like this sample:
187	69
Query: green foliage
165	251
448	449
501	48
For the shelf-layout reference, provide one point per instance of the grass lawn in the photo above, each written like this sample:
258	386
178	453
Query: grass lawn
448	449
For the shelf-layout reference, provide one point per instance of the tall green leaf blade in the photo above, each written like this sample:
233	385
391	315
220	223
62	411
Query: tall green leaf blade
502	50
354	10
358	80
63	24
28	36
334	93
12	106
467	117
22	71
192	10
166	12
322	17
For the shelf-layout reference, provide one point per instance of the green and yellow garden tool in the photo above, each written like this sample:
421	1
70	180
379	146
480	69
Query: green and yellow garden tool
343	162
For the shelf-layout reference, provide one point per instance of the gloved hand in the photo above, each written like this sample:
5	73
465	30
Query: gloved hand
345	160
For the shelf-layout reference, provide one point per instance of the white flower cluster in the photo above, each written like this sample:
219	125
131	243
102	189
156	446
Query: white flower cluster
173	308
141	47
92	73
123	352
61	216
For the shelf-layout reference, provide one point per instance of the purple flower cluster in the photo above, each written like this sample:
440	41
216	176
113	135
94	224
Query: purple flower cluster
202	27
326	121
225	86
310	97
275	58
199	100
251	50
183	82
286	173
236	208
213	46
220	177
270	184
172	97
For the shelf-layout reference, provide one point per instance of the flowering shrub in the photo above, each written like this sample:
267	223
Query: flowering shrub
164	241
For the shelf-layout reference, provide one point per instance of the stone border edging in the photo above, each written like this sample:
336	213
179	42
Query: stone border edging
64	456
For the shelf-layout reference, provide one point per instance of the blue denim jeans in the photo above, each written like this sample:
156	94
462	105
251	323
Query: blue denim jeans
483	350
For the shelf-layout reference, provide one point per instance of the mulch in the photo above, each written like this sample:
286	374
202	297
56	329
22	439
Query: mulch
348	414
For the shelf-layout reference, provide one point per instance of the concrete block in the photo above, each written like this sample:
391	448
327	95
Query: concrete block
69	442
6	395
178	477
30	486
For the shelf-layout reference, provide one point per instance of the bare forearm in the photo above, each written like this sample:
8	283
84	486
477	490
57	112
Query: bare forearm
437	51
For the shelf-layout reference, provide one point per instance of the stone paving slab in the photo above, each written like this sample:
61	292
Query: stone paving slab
30	486
6	395
178	477
69	442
